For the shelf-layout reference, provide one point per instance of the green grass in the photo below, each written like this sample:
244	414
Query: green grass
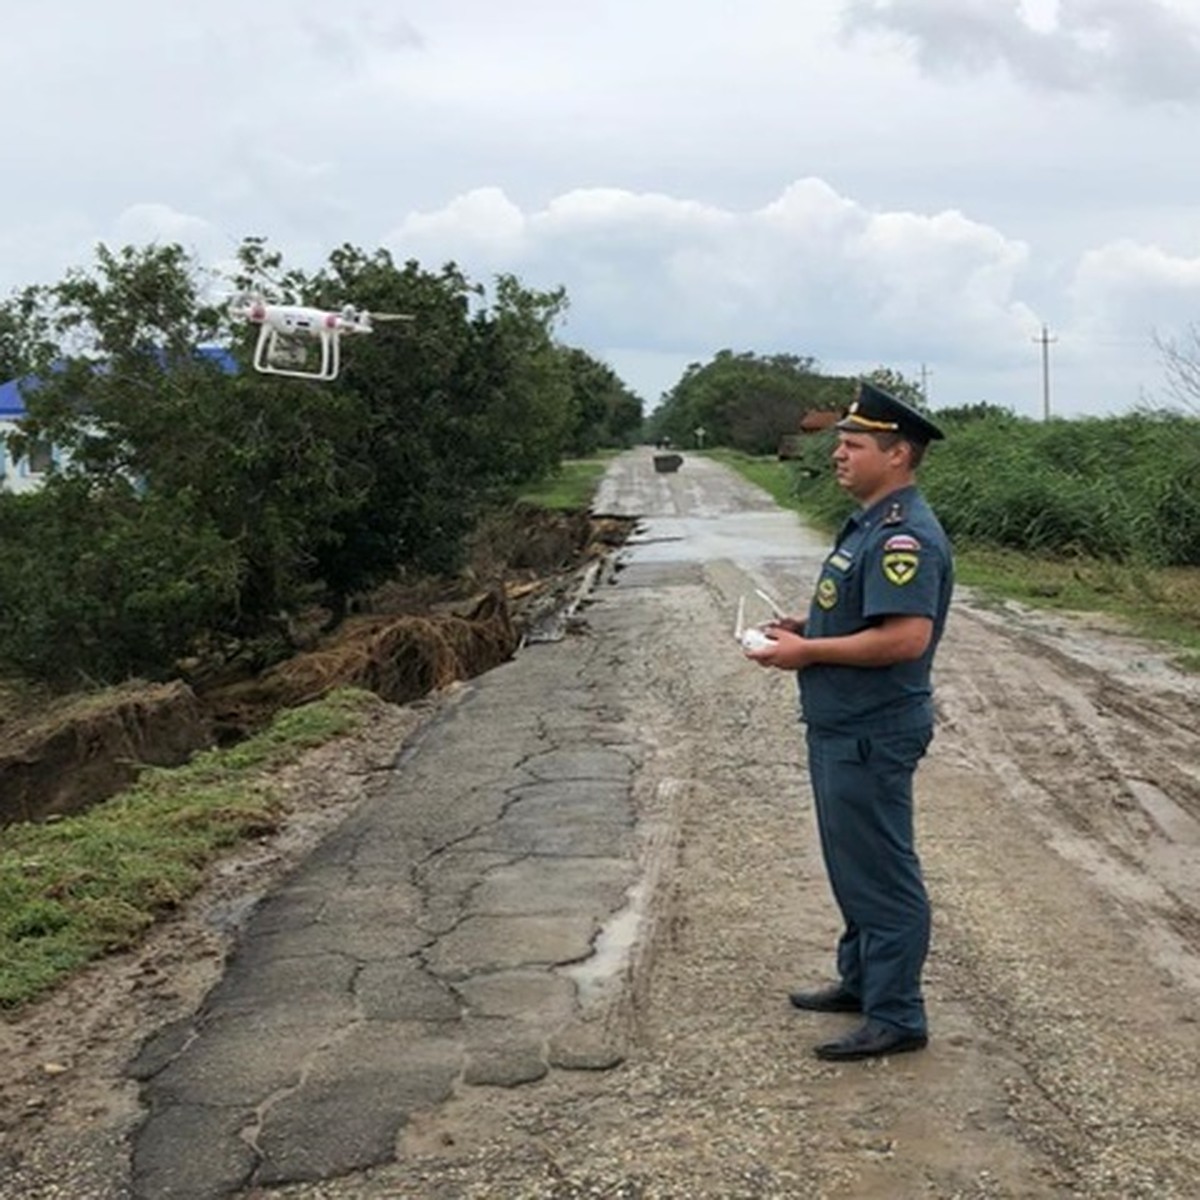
1162	603
573	485
74	889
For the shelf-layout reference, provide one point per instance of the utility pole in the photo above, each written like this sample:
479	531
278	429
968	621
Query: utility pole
1045	341
925	374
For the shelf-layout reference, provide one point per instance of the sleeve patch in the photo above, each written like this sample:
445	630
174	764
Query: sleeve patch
900	566
902	541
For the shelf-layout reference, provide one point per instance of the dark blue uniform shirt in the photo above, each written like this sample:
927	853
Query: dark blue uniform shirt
892	559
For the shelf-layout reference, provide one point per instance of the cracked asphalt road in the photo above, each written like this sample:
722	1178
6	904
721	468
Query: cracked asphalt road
421	947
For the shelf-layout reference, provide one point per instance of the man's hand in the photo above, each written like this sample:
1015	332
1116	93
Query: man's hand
787	624
787	651
894	640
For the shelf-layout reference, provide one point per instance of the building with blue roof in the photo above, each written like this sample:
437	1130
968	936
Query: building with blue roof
28	473
20	474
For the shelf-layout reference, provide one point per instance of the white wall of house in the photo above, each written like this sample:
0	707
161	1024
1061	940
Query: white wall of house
18	475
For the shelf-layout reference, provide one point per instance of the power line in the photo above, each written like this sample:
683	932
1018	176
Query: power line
1045	341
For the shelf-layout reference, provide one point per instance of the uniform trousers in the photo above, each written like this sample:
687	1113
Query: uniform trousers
864	805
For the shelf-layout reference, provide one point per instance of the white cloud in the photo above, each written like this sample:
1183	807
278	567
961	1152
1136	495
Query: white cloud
482	227
1146	50
1130	288
656	282
810	272
159	223
698	174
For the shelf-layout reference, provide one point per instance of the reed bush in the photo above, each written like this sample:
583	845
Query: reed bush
1125	489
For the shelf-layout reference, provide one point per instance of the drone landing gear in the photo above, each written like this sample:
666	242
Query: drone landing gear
278	353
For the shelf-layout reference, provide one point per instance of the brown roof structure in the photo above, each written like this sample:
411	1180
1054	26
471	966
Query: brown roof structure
818	419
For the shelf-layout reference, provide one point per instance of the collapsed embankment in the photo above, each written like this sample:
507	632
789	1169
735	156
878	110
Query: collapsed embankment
403	642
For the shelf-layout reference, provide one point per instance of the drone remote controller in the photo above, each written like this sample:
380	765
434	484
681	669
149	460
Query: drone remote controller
755	639
750	639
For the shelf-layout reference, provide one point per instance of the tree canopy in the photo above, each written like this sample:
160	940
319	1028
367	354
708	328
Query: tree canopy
750	402
193	499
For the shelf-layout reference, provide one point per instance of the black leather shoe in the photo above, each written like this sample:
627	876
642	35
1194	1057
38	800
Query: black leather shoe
830	999
872	1039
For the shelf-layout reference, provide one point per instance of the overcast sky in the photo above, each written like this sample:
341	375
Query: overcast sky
921	184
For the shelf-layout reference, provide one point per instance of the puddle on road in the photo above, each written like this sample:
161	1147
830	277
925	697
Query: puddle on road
607	966
740	537
607	970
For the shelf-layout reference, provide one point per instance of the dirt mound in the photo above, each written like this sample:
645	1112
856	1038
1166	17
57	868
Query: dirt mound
399	658
90	747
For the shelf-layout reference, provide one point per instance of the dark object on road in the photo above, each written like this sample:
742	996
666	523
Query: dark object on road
664	463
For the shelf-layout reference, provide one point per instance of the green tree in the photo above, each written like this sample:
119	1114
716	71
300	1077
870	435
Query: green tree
462	405
529	409
893	382
607	413
257	460
981	411
278	491
25	343
745	400
415	449
101	583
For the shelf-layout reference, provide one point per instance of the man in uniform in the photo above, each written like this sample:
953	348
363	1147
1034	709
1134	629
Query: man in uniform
863	658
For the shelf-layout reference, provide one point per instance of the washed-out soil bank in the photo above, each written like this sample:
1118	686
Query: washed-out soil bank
403	642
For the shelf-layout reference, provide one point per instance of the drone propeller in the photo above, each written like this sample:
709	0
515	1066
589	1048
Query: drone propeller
377	316
250	306
364	321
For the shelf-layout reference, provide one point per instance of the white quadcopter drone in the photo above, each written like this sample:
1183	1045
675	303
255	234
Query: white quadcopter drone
284	330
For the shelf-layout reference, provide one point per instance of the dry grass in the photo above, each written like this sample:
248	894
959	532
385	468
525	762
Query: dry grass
399	658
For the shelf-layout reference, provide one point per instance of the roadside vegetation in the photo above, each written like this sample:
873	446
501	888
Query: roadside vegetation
196	501
572	485
86	885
